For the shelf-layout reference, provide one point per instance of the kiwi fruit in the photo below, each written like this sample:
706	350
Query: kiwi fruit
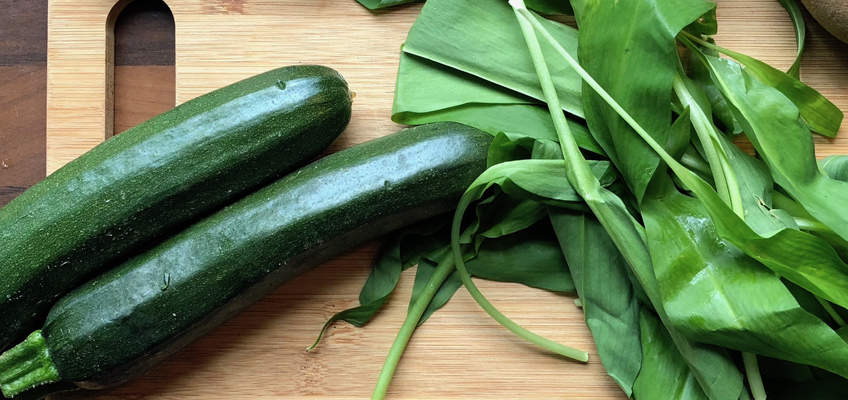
832	15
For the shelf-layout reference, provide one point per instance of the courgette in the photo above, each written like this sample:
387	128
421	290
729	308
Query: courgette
153	179
126	321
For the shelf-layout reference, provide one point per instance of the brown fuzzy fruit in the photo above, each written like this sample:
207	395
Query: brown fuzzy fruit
832	15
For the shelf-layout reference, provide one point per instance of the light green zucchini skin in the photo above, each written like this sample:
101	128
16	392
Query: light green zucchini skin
128	320
138	187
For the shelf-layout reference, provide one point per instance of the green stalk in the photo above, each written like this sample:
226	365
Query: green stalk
830	310
752	369
811	225
579	173
696	164
727	188
750	359
726	184
711	46
507	323
443	270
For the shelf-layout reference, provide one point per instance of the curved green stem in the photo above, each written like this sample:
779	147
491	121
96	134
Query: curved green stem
507	323
726	184
752	369
443	270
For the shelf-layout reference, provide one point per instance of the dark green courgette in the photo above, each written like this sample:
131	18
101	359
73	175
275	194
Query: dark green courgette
128	320
138	186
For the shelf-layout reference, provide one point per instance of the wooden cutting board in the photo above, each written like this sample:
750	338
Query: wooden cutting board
459	352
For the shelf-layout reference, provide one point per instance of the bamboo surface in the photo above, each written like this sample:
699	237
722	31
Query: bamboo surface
459	352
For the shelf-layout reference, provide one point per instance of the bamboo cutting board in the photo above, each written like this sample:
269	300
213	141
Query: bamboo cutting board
459	352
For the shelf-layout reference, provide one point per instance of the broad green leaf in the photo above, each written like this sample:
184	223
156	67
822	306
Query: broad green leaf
836	167
551	6
756	188
629	48
530	257
800	34
714	293
722	113
609	303
707	24
825	389
424	86
376	4
539	180
774	126
664	374
482	38
427	91
819	113
711	366
393	258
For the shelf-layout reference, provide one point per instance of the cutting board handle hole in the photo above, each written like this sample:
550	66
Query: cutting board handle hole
140	56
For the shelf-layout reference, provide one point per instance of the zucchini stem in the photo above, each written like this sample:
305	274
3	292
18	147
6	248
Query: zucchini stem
443	270
26	366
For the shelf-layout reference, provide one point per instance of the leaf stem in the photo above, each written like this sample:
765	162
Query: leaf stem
830	310
726	184
545	343
711	46
579	173
811	225
752	369
443	270
493	312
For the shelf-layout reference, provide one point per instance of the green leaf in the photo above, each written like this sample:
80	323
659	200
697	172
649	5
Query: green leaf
664	374
393	258
819	113
427	91
706	25
711	366
376	4
481	38
800	34
774	126
551	7
722	113
629	48
836	167
714	293
609	303
530	257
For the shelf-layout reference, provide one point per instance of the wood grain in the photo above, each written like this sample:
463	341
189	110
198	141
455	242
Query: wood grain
23	95
460	352
142	92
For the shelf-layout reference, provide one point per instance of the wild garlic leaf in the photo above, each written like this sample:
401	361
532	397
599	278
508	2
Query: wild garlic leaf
630	50
393	258
664	374
550	7
377	4
482	38
774	126
800	34
714	293
610	306
836	167
427	91
819	113
530	257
